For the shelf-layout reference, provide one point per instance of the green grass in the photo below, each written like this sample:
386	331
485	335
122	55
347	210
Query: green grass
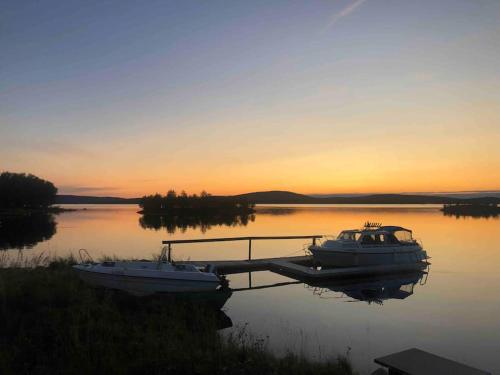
52	323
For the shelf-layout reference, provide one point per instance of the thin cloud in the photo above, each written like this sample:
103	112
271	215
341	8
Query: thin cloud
71	189
343	13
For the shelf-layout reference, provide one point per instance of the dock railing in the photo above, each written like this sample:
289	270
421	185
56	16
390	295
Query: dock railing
169	243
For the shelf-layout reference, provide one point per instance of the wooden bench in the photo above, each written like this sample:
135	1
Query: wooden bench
417	362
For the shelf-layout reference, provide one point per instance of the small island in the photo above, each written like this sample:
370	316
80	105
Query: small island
22	194
484	210
203	204
182	211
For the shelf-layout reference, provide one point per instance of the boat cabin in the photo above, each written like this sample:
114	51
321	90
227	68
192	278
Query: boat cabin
384	235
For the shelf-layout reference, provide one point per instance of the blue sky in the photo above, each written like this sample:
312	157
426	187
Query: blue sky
127	97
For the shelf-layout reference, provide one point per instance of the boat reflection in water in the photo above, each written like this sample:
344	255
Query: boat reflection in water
213	300
371	290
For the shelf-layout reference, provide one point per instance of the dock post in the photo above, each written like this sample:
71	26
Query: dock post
249	249
314	241
169	259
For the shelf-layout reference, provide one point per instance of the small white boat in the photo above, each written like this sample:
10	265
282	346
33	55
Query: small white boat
373	245
143	278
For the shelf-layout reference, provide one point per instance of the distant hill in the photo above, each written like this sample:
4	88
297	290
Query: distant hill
82	199
389	199
456	194
288	197
283	197
276	196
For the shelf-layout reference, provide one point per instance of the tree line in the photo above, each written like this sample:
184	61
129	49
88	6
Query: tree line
21	190
178	203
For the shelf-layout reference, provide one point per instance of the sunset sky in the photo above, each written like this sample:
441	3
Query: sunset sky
125	98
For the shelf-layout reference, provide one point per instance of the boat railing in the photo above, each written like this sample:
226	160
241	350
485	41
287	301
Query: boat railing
85	257
167	251
163	256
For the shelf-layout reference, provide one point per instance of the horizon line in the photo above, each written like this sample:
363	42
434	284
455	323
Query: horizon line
495	191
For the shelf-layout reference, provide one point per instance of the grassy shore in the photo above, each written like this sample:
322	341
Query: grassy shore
51	322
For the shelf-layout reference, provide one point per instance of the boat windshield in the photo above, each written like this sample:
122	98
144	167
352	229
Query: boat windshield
377	237
349	235
383	239
403	235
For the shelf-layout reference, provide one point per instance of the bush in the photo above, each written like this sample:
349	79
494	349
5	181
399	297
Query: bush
20	190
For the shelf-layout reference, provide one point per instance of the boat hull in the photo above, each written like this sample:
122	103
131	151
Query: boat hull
143	286
367	257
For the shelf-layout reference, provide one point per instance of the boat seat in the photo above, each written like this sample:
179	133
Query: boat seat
391	238
367	240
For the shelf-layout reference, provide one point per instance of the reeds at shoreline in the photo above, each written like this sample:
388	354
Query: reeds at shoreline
51	322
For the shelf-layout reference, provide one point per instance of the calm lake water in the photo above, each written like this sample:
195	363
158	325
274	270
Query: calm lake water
454	311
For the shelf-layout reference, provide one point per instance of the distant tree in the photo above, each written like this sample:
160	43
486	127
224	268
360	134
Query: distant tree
21	190
184	203
170	199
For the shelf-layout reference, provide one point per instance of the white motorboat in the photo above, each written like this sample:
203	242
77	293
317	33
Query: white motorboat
372	245
143	278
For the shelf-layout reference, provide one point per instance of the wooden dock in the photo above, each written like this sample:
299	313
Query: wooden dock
418	362
300	267
226	267
297	267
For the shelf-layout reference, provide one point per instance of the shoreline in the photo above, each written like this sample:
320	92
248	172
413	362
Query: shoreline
35	211
197	212
113	332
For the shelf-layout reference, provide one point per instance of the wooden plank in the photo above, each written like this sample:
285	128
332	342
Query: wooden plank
236	266
293	269
418	362
224	239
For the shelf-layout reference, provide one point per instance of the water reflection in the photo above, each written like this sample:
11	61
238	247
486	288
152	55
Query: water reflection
172	223
475	215
276	211
25	231
465	260
371	290
214	301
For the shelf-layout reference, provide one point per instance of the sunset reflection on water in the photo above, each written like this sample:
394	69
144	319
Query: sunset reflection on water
454	314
